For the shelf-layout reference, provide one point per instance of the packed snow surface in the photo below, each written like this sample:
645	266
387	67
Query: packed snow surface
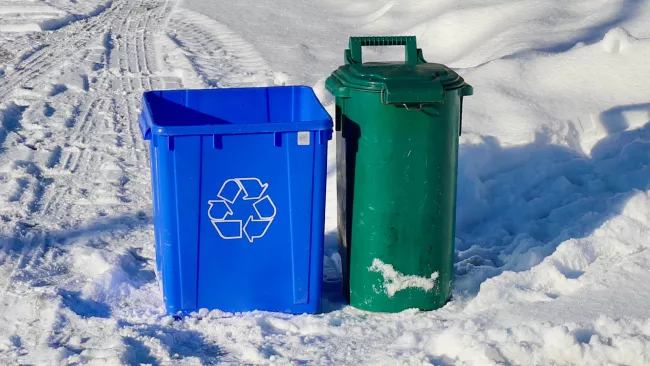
552	260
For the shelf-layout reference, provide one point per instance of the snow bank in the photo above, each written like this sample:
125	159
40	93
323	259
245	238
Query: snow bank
600	342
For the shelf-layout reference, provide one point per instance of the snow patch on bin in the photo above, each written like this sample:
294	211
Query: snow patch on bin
395	281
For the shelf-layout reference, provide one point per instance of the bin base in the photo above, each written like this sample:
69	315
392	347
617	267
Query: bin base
393	307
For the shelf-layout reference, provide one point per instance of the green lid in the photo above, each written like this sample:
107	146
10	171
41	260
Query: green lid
413	81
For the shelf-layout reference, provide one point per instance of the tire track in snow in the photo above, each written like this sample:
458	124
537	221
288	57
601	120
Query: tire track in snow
28	173
51	201
103	130
133	127
131	45
88	108
63	45
92	125
76	156
101	133
219	55
139	78
141	61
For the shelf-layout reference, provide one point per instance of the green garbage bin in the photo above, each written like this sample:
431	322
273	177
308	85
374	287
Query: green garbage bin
397	128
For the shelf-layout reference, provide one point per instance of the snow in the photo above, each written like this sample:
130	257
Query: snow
395	281
551	263
49	15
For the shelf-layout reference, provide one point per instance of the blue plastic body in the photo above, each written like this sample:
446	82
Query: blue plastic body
238	179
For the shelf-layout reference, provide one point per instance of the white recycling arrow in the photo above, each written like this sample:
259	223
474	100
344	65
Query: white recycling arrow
226	222
253	188
219	212
230	190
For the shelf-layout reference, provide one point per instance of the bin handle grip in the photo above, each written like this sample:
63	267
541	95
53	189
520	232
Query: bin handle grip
412	53
145	127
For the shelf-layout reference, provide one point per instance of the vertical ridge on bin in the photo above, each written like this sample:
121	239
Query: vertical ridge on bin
291	226
293	105
170	143
156	207
169	223
195	292
188	169
217	141
300	163
311	248
317	219
268	106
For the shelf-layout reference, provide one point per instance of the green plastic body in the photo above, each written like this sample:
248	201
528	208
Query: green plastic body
396	177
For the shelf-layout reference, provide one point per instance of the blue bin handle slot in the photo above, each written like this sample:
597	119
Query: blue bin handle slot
145	127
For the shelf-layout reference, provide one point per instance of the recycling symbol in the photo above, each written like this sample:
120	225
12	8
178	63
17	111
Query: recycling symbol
242	209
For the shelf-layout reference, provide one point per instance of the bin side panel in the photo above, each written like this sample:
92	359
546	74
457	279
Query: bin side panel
402	217
187	166
155	191
347	136
236	274
168	230
300	160
318	222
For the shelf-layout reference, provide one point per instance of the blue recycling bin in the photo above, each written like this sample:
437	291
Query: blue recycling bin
238	178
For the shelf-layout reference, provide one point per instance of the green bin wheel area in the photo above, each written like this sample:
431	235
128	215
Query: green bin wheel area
397	128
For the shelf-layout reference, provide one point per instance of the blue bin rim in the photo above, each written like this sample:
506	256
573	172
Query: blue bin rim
148	127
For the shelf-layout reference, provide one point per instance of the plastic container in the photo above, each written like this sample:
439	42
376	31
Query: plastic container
238	179
397	134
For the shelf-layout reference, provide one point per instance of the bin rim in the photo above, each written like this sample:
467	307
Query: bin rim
149	127
363	76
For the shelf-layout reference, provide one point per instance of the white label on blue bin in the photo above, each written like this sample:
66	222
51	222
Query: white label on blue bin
232	225
304	137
